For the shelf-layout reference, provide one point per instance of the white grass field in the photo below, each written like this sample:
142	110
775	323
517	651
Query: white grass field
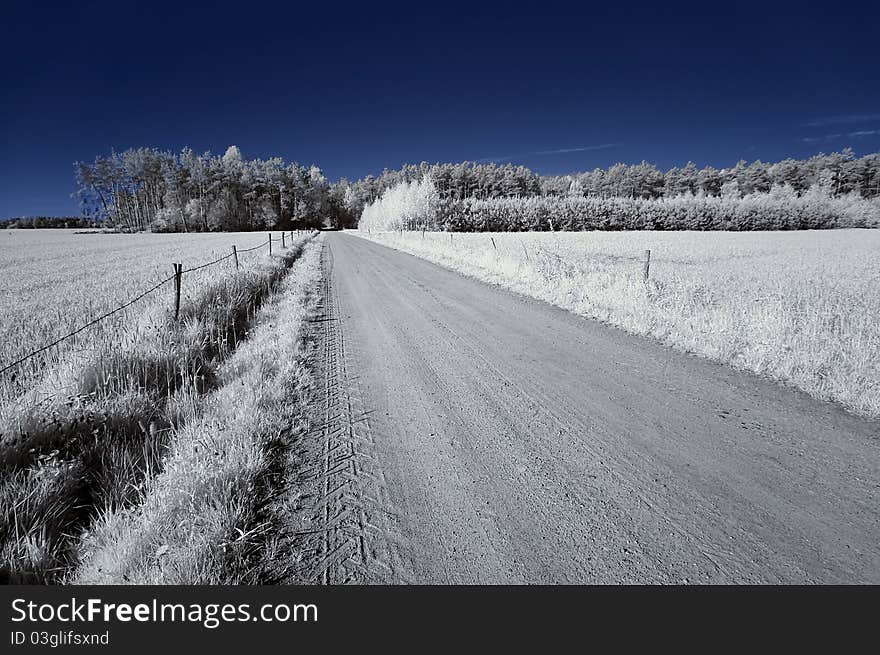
53	281
87	425
800	307
217	472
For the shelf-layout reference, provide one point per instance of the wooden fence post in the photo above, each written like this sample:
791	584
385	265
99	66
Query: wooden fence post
178	274
235	257
647	265
270	244
282	240
493	243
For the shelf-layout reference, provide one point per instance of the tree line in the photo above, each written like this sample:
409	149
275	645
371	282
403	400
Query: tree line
781	208
421	205
838	174
42	222
149	189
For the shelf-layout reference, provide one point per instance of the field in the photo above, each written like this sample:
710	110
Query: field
799	307
53	281
88	425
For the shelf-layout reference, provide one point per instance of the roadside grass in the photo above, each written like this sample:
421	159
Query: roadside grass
54	281
205	518
92	432
798	307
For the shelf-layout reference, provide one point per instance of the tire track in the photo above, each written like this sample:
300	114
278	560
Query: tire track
344	538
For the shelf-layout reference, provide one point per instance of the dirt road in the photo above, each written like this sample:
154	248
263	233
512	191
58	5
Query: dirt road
492	438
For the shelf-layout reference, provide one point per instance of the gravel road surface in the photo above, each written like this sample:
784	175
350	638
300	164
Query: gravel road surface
497	439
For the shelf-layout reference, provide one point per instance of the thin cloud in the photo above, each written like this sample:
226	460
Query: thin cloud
821	139
562	151
556	151
845	119
859	134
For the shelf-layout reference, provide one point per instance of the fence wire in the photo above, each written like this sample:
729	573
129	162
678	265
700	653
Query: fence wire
87	325
262	245
216	261
12	365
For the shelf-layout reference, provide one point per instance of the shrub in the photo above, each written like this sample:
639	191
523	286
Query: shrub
412	206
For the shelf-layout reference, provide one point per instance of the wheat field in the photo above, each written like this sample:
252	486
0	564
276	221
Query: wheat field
802	307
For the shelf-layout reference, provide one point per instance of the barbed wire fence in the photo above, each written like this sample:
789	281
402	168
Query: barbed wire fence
176	277
643	259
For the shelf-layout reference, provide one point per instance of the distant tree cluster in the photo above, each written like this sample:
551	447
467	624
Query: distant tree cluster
417	205
839	173
824	191
452	181
782	208
41	222
148	189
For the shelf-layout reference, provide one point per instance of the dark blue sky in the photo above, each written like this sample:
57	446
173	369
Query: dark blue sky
359	89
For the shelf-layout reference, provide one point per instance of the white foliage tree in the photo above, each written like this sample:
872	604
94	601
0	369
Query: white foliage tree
406	206
232	156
